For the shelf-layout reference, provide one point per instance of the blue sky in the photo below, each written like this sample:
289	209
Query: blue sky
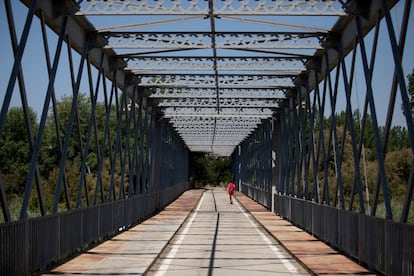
35	73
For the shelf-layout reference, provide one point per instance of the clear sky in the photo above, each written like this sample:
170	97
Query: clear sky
35	73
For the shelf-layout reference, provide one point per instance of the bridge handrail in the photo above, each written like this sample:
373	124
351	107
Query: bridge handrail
33	244
383	245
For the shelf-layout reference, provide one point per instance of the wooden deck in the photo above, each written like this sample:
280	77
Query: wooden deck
133	251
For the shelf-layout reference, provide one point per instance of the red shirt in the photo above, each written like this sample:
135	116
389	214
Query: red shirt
230	188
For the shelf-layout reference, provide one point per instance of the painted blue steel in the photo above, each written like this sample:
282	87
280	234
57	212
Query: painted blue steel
25	105
116	148
70	122
350	122
132	166
16	66
399	72
128	114
106	136
321	142
137	133
311	144
333	136
293	139
94	98
144	131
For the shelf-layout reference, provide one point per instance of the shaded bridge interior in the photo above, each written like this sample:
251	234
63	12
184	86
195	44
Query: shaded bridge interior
260	81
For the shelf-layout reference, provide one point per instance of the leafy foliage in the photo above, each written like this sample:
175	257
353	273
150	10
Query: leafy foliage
212	170
410	89
15	150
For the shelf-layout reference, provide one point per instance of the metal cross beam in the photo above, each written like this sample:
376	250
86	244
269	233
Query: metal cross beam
224	40
228	93
198	80
283	65
200	7
214	74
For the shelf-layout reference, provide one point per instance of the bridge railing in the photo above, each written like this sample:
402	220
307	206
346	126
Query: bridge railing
383	245
31	245
258	194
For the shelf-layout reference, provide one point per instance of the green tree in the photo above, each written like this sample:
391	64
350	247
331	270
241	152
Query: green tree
15	151
211	169
398	139
410	89
50	152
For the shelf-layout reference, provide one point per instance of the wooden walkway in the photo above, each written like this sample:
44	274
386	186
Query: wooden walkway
134	251
316	256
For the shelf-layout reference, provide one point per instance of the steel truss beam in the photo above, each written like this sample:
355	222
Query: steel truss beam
198	80
260	95
175	82
282	65
224	103
200	7
189	111
224	40
227	93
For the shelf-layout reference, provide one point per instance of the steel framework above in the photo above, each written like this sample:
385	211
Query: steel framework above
309	98
191	65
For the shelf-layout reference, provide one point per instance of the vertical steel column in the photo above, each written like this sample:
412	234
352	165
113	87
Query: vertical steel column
23	95
299	144
155	166
76	108
17	65
322	144
91	123
399	70
401	45
116	147
351	124
290	173
333	135
148	152
298	161
269	158
364	114
126	154
131	161
164	156
39	136
236	165
106	137
398	73
312	149
304	149
137	133
362	128
143	134
282	151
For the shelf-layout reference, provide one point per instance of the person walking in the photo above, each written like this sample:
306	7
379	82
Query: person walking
230	190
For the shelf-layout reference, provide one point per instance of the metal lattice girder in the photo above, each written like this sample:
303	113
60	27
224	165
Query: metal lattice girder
200	7
200	139
212	86
284	65
223	40
256	81
223	120
241	103
170	112
213	131
224	150
228	93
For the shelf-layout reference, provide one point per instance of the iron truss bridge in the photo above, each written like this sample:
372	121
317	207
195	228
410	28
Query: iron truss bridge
214	82
309	98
